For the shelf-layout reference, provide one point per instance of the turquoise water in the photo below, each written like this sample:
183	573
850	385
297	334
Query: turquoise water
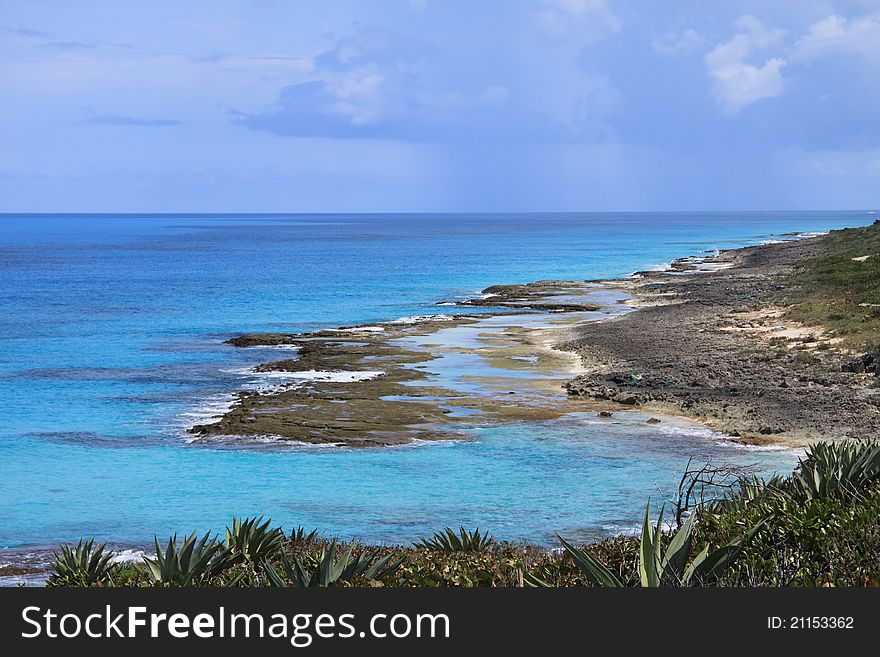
111	333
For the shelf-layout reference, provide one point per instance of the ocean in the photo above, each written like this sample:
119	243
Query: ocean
111	345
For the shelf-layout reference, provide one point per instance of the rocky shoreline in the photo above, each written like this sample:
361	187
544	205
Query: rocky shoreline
707	339
419	378
717	346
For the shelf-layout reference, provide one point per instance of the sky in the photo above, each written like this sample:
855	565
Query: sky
438	105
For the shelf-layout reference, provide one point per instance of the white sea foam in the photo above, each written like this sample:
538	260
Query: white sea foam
721	439
688	431
765	448
372	328
622	530
263	388
338	376
793	237
127	556
210	408
421	442
663	266
244	442
413	319
420	319
319	375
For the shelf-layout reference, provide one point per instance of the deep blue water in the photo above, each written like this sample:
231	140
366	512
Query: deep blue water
110	339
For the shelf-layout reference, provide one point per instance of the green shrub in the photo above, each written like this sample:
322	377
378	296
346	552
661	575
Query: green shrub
447	540
672	566
333	569
840	470
300	536
250	540
189	564
86	564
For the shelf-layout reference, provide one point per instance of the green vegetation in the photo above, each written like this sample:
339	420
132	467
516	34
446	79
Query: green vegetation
819	526
251	541
670	567
191	563
300	535
448	540
333	569
83	565
839	289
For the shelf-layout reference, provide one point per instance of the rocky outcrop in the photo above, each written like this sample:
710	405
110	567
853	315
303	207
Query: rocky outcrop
699	347
865	364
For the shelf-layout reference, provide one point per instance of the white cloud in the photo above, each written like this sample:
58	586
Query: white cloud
737	82
761	35
679	43
585	21
838	35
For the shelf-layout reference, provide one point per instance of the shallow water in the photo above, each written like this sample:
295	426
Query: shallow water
111	333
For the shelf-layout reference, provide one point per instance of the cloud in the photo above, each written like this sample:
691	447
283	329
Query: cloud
679	43
369	107
372	47
361	87
53	42
836	35
737	83
585	21
120	119
371	85
27	32
69	45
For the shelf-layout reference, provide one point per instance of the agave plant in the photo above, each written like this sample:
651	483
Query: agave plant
333	568
839	470
187	564
749	491
83	565
300	536
251	541
672	567
447	540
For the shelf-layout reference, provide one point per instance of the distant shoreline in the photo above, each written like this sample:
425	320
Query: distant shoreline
715	340
705	339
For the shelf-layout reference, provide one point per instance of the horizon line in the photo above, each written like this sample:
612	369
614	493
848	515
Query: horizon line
405	212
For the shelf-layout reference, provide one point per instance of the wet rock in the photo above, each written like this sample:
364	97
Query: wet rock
688	347
262	340
866	363
653	420
540	295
